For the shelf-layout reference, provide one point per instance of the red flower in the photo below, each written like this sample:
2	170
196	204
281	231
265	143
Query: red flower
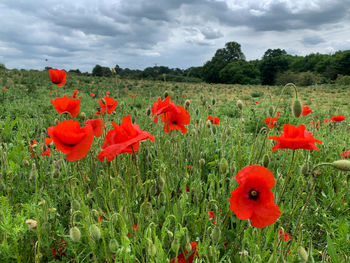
97	125
295	138
48	141
326	120
214	120
306	110
338	118
92	94
256	102
315	124
32	143
176	119
75	94
72	140
107	104
181	257
345	155
253	199
4	89
272	124
46	151
66	105
278	113
286	235
58	77
211	214
162	106
124	138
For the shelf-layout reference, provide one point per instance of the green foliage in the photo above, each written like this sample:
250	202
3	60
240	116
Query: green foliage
239	72
274	61
343	80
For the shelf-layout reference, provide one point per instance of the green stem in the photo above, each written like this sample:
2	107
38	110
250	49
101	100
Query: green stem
286	179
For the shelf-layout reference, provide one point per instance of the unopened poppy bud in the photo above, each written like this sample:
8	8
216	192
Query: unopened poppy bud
82	115
75	205
271	110
223	165
151	249
266	160
56	121
201	162
175	246
297	108
75	234
303	253
166	94
239	104
304	169
113	245
216	234
213	101
161	183
187	103
343	165
95	232
32	224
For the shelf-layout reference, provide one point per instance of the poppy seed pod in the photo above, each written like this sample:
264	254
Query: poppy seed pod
303	253
113	245
297	108
95	232
239	104
266	160
343	165
75	234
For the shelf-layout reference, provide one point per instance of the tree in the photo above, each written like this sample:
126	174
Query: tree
239	72
274	61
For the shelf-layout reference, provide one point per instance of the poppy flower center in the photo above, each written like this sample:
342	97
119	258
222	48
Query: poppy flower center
253	194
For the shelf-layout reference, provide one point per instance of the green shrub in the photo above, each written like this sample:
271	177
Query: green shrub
343	80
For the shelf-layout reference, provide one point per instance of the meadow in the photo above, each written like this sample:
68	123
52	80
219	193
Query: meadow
170	199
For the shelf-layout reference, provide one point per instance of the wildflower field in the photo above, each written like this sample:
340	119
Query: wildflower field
109	170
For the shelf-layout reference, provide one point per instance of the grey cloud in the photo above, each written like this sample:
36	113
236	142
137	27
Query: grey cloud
312	40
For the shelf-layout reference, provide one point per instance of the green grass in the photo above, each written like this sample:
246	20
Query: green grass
151	190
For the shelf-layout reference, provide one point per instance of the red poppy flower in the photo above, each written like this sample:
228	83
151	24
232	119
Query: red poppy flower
285	235
107	93
4	89
295	138
182	257
97	125
72	140
74	96
162	106
306	110
211	214
345	155
67	105
214	120
107	104
278	113
316	124
253	199
48	141
46	151
124	138
92	94
338	118
272	124
58	77
326	120
176	119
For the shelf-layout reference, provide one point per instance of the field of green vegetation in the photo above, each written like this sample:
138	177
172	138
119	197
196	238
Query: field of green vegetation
174	199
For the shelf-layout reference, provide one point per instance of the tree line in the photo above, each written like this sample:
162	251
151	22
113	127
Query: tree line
229	66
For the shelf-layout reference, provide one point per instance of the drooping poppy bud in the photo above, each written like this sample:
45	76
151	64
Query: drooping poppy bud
303	253
75	234
113	245
343	165
223	165
297	108
95	232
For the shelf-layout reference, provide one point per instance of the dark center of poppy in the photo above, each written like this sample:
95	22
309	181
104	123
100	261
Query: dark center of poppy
253	194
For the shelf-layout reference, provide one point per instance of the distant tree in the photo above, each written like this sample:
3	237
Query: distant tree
100	71
342	62
273	62
239	72
76	71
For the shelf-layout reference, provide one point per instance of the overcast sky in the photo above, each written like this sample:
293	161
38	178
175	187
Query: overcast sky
74	34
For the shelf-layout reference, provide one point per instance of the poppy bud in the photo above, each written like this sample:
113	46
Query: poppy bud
166	94
187	103
201	162
161	183
303	253
113	245
56	121
148	112
239	104
271	111
223	165
304	169
95	232
216	234
175	245
297	108
208	124
75	205
197	112
266	160
82	115
343	165
75	234
151	248
32	224
213	101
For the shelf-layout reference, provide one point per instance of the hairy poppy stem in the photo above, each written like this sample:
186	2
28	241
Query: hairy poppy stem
286	179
